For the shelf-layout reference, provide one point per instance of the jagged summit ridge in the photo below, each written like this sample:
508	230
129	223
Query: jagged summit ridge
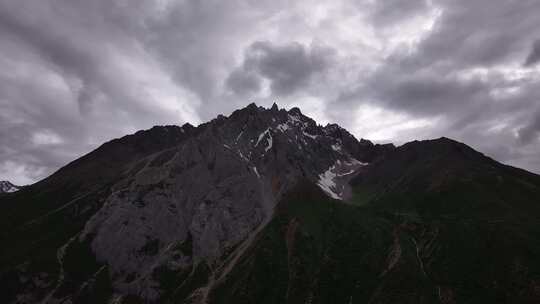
293	123
253	133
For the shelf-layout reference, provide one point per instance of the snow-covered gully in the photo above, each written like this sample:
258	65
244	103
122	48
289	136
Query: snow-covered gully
335	180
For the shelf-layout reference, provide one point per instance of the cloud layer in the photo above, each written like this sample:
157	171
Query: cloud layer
74	74
287	68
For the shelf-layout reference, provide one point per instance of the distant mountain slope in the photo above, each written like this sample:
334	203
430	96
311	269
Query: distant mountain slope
432	222
8	187
267	206
443	177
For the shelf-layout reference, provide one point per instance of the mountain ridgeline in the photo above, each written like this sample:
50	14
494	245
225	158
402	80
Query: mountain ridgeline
267	206
8	187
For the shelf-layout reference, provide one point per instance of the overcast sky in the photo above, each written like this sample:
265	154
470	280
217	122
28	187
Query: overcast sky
76	73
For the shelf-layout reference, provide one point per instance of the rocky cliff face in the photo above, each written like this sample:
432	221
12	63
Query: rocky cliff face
267	206
192	197
213	189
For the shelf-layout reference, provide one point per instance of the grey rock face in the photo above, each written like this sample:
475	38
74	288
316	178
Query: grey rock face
197	200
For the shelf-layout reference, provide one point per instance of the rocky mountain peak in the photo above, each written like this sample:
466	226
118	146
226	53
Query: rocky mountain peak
295	111
8	187
225	178
186	195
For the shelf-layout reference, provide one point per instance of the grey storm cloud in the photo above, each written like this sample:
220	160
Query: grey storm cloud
60	51
74	74
531	131
288	67
391	12
480	33
244	82
424	93
534	56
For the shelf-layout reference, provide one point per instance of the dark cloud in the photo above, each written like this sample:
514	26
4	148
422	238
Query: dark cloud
288	67
391	12
70	79
52	47
188	39
244	82
424	93
531	131
534	56
480	33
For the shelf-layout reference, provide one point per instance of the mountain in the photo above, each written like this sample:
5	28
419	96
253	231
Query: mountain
267	206
8	187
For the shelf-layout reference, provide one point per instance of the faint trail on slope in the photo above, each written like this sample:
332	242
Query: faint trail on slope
73	201
420	262
60	253
394	255
229	263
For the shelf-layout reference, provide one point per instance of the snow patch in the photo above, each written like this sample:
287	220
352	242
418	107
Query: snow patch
269	139
336	147
346	173
261	136
354	161
283	127
242	156
239	135
309	135
337	173
256	172
327	184
270	142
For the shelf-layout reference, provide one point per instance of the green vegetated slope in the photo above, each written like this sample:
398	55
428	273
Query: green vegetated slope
434	222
